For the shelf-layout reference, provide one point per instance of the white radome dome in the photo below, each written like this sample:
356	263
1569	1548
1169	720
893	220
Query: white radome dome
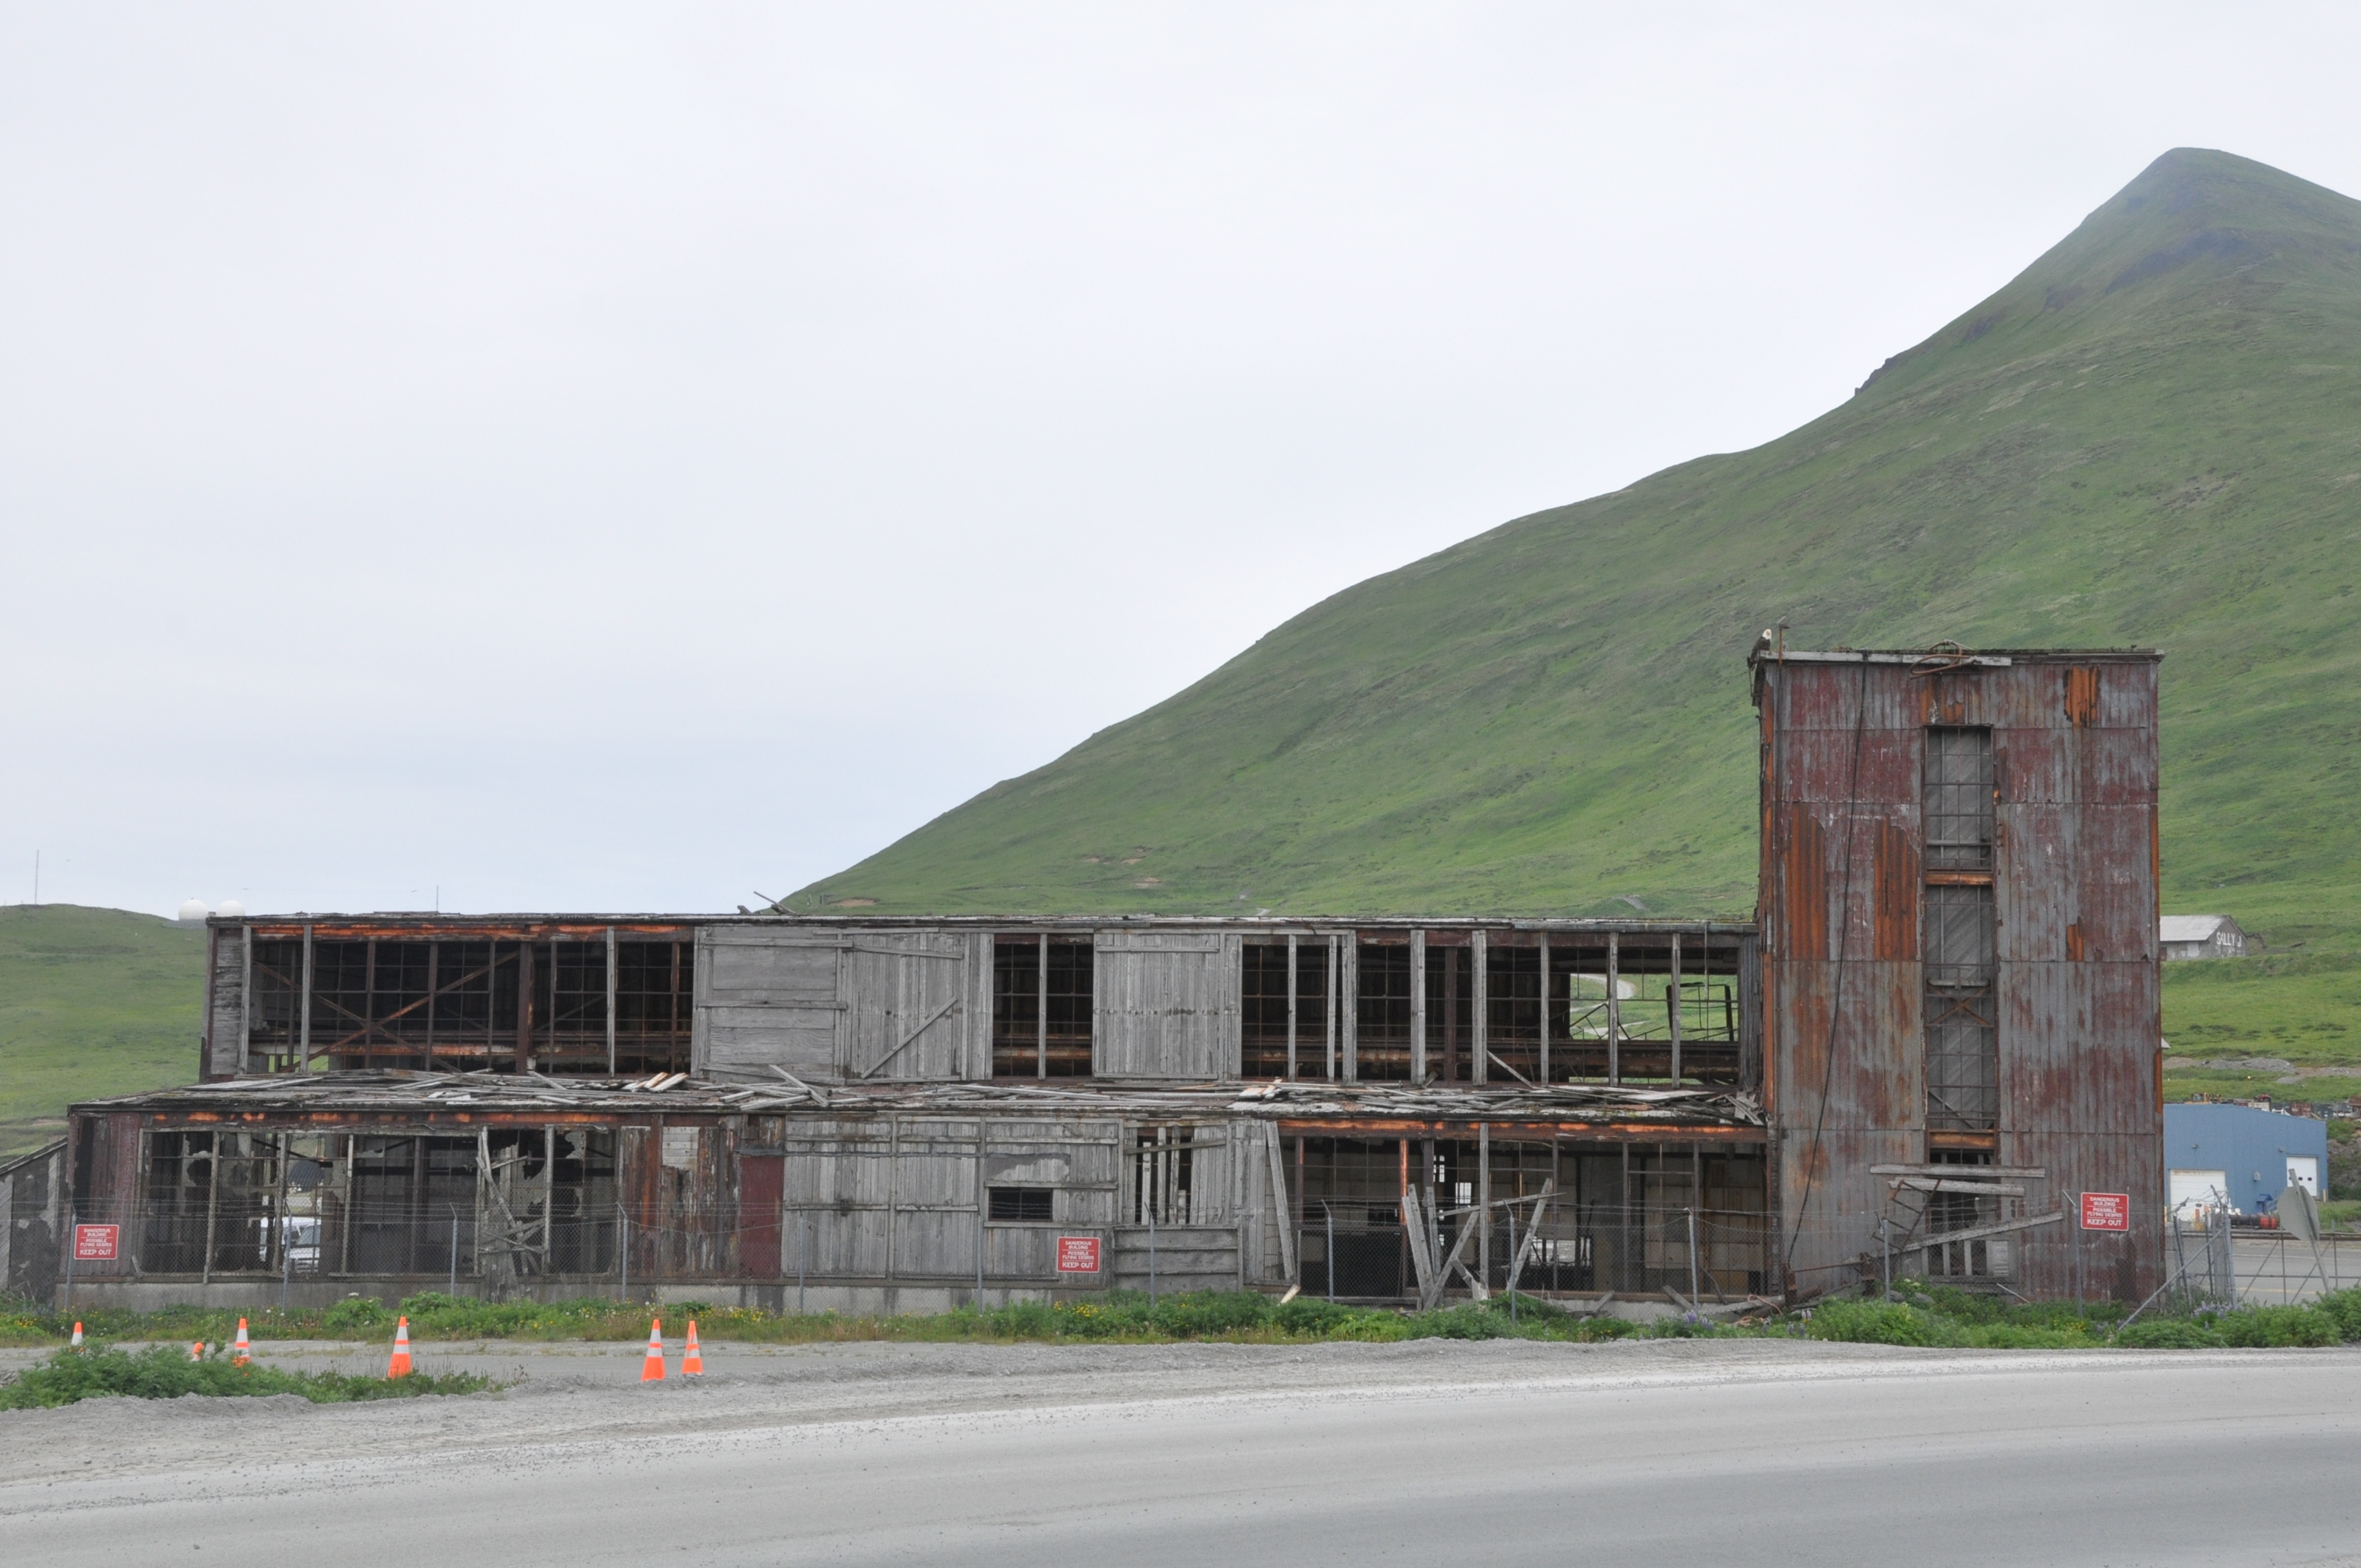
193	909
231	909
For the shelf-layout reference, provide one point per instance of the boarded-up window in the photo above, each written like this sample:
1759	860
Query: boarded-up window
905	994
1167	1005
770	999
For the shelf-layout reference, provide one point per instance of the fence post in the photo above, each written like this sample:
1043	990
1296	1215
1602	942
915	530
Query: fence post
1329	1267
1151	1258
624	1251
1515	1257
71	1249
1693	1259
455	1249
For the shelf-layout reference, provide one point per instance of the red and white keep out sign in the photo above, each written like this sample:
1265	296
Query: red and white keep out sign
1078	1255
2106	1210
96	1244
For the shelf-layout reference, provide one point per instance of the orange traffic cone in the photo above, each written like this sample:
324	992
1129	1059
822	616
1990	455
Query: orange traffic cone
692	1365
77	1338
652	1369
240	1353
196	1350
399	1366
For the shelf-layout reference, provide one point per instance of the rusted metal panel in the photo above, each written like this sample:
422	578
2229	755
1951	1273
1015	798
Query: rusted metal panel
2114	890
2072	869
2033	880
1828	768
1800	908
1897	874
2084	1160
2078	766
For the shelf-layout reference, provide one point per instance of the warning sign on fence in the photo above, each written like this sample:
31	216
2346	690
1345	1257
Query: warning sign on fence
1078	1255
96	1244
2106	1210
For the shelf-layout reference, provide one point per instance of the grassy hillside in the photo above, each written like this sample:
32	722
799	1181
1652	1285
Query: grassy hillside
2151	436
92	1001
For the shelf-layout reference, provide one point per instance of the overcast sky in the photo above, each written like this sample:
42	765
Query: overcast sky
606	458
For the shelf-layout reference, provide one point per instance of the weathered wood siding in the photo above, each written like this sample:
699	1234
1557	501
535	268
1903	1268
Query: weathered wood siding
902	1198
1166	1005
766	997
907	1003
226	994
843	1004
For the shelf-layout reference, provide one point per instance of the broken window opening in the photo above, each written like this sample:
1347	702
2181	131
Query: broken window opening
488	1208
455	1005
1262	1013
1031	1040
1163	1177
655	1006
1645	999
1630	1219
1957	803
1381	1021
1961	1022
1021	1205
1512	1014
1986	1258
1450	1013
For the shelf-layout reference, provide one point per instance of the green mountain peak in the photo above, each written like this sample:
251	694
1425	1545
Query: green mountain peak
2148	436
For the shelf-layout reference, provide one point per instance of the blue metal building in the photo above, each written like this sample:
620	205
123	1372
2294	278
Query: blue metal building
2213	1153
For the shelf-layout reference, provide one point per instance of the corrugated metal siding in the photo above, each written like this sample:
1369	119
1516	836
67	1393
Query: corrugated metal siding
2074	875
1166	1005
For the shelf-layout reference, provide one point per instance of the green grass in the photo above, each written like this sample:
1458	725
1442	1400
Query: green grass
1937	1317
165	1372
2151	436
92	1003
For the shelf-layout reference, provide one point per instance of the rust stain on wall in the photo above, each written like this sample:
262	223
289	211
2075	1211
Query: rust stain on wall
2082	697
1805	886
1896	935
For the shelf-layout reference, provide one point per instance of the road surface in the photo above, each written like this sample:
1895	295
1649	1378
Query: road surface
1719	1452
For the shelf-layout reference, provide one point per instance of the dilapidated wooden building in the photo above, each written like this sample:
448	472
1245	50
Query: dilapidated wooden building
896	1114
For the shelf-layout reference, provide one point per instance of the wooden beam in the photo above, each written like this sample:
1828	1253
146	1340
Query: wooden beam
1945	1184
1981	1172
1978	1232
